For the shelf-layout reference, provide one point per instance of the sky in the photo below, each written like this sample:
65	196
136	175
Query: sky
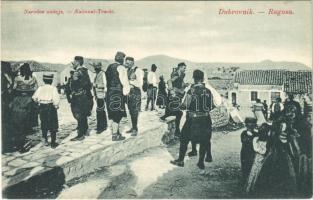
188	30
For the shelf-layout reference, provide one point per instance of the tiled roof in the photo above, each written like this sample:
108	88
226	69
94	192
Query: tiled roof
222	84
293	81
298	82
260	77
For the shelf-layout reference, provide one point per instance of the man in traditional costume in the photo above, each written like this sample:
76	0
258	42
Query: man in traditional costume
100	87
135	77
198	125
176	92
81	102
117	89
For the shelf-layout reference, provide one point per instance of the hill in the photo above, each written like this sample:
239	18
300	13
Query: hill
166	64
215	69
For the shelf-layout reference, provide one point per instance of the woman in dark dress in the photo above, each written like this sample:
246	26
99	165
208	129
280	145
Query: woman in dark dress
21	107
277	176
162	94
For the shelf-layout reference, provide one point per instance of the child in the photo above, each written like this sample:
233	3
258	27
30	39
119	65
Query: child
247	153
48	99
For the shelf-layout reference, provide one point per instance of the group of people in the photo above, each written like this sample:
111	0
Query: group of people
119	86
276	157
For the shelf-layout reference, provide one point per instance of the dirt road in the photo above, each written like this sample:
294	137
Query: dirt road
150	175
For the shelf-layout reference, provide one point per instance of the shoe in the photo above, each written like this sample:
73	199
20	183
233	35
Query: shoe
22	150
87	133
192	153
134	133
54	145
201	165
146	109
130	130
118	137
177	163
208	159
78	138
101	130
162	118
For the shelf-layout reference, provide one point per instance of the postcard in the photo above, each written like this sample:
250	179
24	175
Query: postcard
156	99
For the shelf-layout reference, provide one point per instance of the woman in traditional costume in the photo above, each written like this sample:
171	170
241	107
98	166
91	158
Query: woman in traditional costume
25	84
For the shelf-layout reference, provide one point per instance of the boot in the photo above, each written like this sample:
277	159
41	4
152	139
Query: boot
208	159
135	132
117	137
192	153
177	162
54	145
130	130
201	165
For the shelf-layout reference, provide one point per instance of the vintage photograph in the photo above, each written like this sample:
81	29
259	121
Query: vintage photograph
156	99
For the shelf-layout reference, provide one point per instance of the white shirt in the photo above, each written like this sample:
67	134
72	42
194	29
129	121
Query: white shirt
138	82
152	79
124	79
47	94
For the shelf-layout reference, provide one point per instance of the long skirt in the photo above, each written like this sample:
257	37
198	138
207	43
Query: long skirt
273	176
260	117
21	118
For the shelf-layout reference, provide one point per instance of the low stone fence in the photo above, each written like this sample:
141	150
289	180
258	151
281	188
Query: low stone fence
25	175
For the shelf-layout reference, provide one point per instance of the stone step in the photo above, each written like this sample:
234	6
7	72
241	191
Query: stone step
49	169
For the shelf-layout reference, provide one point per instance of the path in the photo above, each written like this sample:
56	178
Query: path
150	175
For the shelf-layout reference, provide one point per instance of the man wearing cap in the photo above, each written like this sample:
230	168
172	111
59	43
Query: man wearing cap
176	92
81	102
48	99
135	77
152	87
117	89
198	125
99	87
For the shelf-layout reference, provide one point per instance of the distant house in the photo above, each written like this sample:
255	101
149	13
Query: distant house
268	85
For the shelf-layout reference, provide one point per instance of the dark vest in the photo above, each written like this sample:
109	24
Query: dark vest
131	72
201	98
178	83
112	76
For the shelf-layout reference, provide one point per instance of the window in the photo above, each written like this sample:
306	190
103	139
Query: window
274	96
254	95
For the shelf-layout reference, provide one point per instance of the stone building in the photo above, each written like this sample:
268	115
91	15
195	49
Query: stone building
268	85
